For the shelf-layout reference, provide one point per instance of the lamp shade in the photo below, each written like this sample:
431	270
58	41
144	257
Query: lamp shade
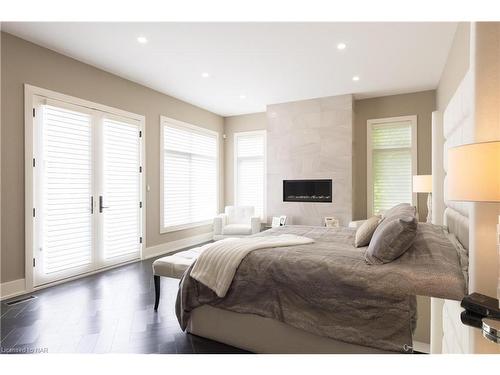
474	172
422	183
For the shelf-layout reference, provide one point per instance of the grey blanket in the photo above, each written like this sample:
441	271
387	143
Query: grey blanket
326	288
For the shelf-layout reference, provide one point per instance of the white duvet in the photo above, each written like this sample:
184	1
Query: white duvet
216	266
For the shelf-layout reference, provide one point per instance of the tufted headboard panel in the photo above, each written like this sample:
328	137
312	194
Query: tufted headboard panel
458	129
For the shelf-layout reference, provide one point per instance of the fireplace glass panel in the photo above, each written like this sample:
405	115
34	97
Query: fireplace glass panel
307	190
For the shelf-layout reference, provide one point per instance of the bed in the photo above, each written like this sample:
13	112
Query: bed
273	306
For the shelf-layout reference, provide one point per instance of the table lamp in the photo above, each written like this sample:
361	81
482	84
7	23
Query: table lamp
474	172
474	176
423	184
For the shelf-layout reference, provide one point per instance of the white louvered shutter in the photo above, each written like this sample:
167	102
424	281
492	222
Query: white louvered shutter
249	163
121	189
391	164
189	175
65	187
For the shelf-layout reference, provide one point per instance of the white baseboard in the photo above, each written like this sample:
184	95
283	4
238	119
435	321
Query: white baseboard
168	247
422	347
12	288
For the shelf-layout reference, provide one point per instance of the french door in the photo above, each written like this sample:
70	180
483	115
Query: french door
87	190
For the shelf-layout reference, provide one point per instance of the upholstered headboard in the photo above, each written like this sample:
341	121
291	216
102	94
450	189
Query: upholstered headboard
458	129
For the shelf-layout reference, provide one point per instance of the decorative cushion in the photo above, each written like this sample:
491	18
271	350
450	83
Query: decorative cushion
365	231
238	229
391	239
400	210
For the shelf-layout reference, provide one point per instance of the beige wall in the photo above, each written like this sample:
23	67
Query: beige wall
24	62
421	104
234	124
456	66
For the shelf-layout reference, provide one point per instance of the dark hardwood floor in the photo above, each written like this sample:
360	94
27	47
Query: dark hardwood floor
109	312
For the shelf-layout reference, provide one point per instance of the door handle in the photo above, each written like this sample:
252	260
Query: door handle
101	207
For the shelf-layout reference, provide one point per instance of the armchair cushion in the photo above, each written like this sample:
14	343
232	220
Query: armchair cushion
237	221
239	214
237	229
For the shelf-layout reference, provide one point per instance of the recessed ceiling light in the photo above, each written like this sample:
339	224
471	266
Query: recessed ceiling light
205	75
355	78
341	46
243	96
142	39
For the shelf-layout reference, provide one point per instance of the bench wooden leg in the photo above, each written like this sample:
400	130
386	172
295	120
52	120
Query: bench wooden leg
157	291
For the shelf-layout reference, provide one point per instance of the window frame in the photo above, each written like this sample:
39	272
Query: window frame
199	129
235	168
369	155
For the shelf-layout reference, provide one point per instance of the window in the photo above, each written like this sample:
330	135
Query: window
189	175
392	161
249	173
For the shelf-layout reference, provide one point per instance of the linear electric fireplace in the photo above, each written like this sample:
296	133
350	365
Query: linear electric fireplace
307	190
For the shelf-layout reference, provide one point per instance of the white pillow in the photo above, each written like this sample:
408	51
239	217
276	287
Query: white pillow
365	231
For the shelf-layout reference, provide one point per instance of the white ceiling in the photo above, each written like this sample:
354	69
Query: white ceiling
267	62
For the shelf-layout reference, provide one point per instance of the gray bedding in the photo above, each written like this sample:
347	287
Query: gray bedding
327	288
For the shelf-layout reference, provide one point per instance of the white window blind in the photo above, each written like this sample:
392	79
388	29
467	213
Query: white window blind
249	170
85	187
121	190
189	175
66	187
392	150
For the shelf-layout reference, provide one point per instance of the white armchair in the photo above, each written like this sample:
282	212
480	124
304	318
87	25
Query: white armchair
236	222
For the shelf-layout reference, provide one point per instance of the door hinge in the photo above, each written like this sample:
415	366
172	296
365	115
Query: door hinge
140	169
34	262
140	133
34	212
140	204
34	163
34	112
140	239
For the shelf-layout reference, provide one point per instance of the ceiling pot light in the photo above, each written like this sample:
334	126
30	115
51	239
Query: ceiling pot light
341	46
142	39
243	96
205	75
355	78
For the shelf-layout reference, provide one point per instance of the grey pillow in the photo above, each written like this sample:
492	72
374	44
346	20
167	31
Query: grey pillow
391	239
365	231
400	210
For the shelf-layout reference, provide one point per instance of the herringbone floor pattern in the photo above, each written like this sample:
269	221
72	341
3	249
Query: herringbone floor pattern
110	312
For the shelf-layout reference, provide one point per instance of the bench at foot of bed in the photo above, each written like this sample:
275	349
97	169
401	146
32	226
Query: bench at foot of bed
172	266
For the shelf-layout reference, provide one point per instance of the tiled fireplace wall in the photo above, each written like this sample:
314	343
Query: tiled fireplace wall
310	139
